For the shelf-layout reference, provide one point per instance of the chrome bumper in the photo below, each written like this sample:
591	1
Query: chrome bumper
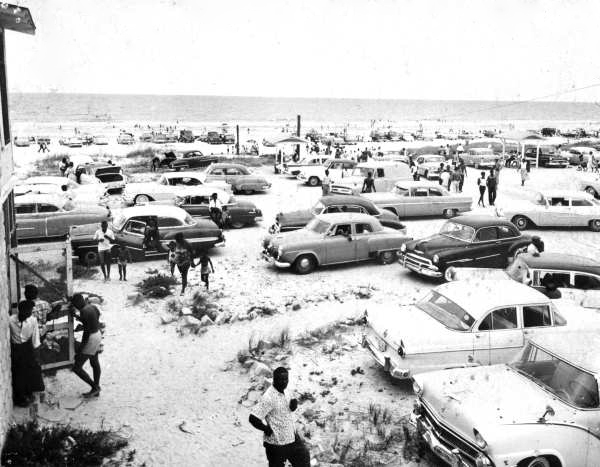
268	258
385	361
425	270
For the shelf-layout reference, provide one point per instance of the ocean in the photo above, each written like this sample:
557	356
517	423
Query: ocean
62	107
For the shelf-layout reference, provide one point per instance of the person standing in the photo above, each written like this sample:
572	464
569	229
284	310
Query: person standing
24	341
91	344
41	308
206	268
215	208
369	184
497	168
123	256
455	180
184	258
445	177
281	442
105	238
62	166
524	174
462	169
171	256
326	183
151	235
491	184
481	183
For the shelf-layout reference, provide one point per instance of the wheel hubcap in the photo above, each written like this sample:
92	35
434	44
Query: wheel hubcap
304	263
591	191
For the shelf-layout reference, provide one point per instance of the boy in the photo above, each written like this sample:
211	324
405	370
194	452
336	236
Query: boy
171	256
123	256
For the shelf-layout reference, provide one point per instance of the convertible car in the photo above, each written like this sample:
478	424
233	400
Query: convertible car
43	216
293	220
333	239
240	177
465	324
465	241
129	225
411	199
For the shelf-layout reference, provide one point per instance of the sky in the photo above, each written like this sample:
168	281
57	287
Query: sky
405	49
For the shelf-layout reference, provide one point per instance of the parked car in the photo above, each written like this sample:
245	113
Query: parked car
146	137
577	154
240	177
44	216
465	323
294	168
480	158
129	225
111	176
338	168
414	199
100	140
395	156
554	208
293	220
548	156
163	160
160	138
93	192
333	239
541	410
167	187
22	141
125	138
589	183
385	174
195	201
192	160
428	166
74	142
213	137
465	241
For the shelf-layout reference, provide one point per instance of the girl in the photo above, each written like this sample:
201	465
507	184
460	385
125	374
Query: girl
184	256
481	185
205	272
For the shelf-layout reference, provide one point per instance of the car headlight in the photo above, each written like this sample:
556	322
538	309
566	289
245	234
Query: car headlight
482	443
403	248
482	461
435	259
418	390
279	252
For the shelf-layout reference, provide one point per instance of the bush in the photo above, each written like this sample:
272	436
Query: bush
156	285
48	165
141	153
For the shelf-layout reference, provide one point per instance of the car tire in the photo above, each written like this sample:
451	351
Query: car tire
449	213
314	181
595	225
248	192
539	461
590	190
449	274
89	258
521	222
305	264
386	257
236	225
139	199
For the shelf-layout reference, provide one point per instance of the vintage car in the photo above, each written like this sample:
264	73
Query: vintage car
100	140
465	241
240	177
195	200
385	174
22	141
74	142
333	239
192	160
338	168
43	216
129	225
167	187
578	154
480	158
125	138
293	220
111	176
413	199
163	160
428	166
146	138
481	322
541	410
395	156
547	156
93	192
554	208
292	169
590	183
160	138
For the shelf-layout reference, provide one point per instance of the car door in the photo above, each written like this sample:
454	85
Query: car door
499	336
487	249
167	228
437	201
197	206
537	319
215	174
339	246
232	175
506	239
360	237
416	204
29	224
132	236
582	211
558	213
57	222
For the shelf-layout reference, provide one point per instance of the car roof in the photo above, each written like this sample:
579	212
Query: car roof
40	198
413	184
200	190
561	261
344	199
338	217
381	163
566	194
577	347
477	297
430	155
228	164
154	210
480	220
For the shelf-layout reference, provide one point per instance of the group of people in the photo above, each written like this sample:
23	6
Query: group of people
453	177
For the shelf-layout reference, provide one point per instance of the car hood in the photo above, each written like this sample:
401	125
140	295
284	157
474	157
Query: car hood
435	243
419	332
432	165
485	397
299	217
386	215
293	238
353	181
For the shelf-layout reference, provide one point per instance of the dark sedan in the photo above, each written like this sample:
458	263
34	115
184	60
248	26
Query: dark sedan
465	241
192	160
293	220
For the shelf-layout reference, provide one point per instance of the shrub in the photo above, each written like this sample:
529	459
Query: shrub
157	285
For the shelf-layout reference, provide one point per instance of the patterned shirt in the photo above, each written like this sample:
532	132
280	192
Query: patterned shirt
274	408
40	311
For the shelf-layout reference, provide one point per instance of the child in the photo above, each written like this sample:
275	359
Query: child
171	256
123	256
224	217
205	262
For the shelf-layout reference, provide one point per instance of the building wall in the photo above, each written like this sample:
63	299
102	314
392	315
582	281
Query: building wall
5	373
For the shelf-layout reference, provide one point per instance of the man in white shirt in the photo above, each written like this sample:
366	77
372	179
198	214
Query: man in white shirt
105	238
280	439
326	183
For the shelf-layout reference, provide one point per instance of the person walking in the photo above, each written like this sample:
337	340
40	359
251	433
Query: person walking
445	177
280	440
91	343
206	268
41	308
123	256
481	183
104	237
184	258
462	169
455	180
491	184
171	256
62	166
524	174
215	208
369	184
326	183
24	342
497	169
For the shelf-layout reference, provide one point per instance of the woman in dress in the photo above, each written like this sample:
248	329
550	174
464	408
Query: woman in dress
184	258
24	340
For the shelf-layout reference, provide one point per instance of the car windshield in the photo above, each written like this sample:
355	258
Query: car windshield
458	231
318	226
317	208
446	311
400	190
567	382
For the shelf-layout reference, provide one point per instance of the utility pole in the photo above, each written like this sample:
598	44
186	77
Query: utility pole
237	140
298	135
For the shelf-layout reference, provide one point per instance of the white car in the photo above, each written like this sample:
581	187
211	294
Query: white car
93	192
554	208
384	173
429	166
466	323
100	140
292	169
168	186
590	183
338	168
577	154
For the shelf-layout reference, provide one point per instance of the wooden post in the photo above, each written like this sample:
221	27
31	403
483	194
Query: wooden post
237	140
298	134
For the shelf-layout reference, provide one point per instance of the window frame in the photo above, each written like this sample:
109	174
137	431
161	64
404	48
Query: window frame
550	311
494	310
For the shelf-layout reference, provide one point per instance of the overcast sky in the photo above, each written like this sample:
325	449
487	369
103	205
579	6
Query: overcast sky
413	49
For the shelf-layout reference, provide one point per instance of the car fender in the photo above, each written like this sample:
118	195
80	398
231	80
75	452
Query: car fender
291	256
